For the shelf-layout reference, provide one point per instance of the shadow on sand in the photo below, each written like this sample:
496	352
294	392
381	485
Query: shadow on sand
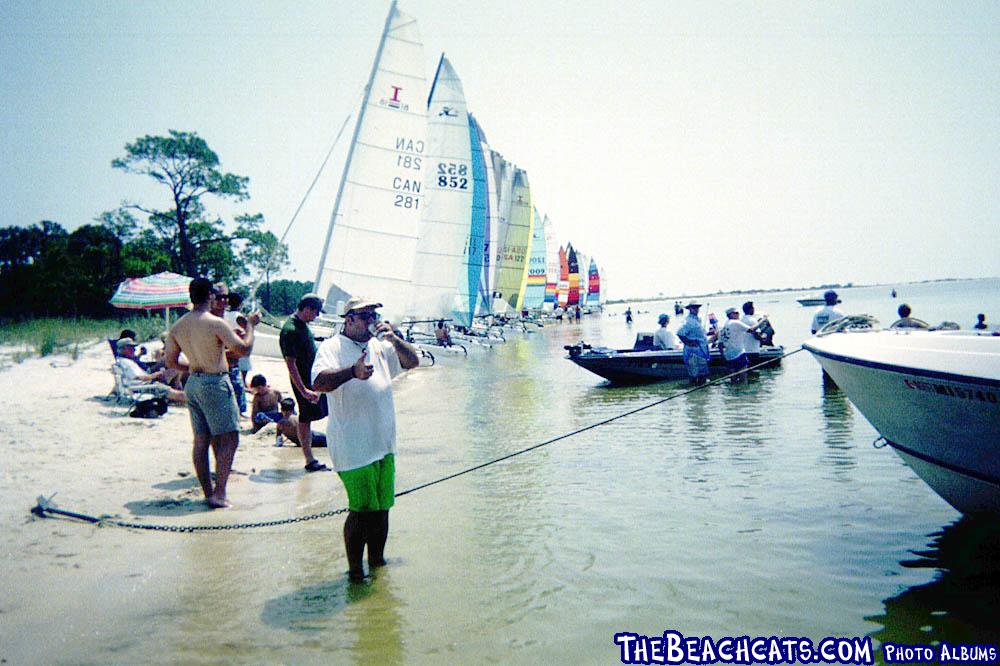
167	507
276	475
311	608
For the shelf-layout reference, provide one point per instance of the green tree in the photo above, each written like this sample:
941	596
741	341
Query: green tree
185	164
283	296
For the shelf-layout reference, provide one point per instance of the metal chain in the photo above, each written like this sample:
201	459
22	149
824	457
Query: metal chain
108	522
45	505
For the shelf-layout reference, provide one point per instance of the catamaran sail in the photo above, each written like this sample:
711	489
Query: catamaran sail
512	266
470	296
503	180
573	297
445	225
593	285
551	265
534	290
372	238
485	300
562	289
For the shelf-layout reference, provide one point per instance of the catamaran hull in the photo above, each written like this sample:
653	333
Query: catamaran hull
945	426
638	367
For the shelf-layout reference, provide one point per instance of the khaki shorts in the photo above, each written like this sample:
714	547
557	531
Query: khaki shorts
211	402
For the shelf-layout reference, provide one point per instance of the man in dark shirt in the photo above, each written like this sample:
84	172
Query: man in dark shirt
299	349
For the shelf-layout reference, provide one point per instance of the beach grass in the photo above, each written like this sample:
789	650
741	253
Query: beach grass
63	335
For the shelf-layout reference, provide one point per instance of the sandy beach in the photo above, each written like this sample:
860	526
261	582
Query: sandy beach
63	435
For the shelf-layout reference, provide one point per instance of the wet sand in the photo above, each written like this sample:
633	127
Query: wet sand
63	580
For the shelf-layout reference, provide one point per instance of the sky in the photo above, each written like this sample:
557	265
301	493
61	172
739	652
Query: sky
687	146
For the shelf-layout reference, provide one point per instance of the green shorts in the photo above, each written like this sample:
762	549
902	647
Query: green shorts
372	487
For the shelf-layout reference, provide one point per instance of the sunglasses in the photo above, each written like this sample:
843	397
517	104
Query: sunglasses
367	316
219	294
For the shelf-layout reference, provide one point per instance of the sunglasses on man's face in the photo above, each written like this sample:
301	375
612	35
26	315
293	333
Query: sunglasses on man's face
367	316
219	294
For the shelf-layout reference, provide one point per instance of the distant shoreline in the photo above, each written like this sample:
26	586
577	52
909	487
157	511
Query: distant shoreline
819	288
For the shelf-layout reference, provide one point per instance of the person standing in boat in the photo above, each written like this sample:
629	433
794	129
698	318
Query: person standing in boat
828	312
751	345
905	320
733	340
355	370
663	338
980	324
696	355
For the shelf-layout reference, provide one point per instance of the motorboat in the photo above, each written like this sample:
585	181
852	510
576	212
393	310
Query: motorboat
934	396
810	301
643	364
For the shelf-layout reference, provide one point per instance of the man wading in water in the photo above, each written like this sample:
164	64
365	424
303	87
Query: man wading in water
355	370
215	417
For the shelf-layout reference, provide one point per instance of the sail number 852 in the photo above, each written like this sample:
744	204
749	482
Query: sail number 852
453	175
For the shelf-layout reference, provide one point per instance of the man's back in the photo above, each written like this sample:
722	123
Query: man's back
199	335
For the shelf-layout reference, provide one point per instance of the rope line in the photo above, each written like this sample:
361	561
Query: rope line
45	506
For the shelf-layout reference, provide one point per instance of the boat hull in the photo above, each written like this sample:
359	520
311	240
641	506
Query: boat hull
944	424
638	367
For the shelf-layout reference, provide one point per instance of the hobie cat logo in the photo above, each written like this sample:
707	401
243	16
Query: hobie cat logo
393	101
448	112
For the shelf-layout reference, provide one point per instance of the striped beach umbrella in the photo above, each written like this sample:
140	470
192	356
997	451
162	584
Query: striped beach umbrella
163	290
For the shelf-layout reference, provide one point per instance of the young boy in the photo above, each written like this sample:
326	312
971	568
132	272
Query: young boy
289	423
266	401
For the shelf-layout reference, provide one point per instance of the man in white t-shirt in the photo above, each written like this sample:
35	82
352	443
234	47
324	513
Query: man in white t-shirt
663	338
355	370
752	344
828	312
733	340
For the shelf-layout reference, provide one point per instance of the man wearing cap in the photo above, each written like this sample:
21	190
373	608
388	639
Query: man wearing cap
733	340
828	312
135	377
355	370
298	347
663	338
692	334
751	344
215	418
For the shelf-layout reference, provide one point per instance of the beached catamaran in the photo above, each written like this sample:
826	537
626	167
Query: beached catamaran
450	223
371	242
551	265
427	217
593	285
534	291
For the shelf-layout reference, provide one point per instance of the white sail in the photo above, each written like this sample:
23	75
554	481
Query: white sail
372	238
447	189
551	264
503	175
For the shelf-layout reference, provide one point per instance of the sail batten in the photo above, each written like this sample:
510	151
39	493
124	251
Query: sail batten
371	241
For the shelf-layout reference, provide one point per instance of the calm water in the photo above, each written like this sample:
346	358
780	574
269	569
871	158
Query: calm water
760	509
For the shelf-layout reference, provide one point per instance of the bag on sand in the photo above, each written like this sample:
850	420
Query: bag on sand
150	408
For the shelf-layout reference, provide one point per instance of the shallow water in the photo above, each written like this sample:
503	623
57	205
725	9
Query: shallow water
757	509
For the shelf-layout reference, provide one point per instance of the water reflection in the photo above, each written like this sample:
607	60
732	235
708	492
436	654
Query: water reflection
838	419
962	603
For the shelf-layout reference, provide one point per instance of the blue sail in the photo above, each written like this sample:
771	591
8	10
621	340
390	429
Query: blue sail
469	288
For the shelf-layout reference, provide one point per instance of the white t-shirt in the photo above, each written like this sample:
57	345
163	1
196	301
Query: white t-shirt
751	345
824	316
665	339
131	371
362	424
733	338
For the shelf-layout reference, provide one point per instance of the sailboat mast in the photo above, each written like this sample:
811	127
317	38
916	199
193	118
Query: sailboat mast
354	140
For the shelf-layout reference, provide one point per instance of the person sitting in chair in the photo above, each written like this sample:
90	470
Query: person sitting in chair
137	378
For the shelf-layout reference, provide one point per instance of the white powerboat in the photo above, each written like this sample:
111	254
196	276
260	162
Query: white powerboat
935	398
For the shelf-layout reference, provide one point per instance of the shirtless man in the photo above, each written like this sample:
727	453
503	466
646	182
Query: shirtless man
215	418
